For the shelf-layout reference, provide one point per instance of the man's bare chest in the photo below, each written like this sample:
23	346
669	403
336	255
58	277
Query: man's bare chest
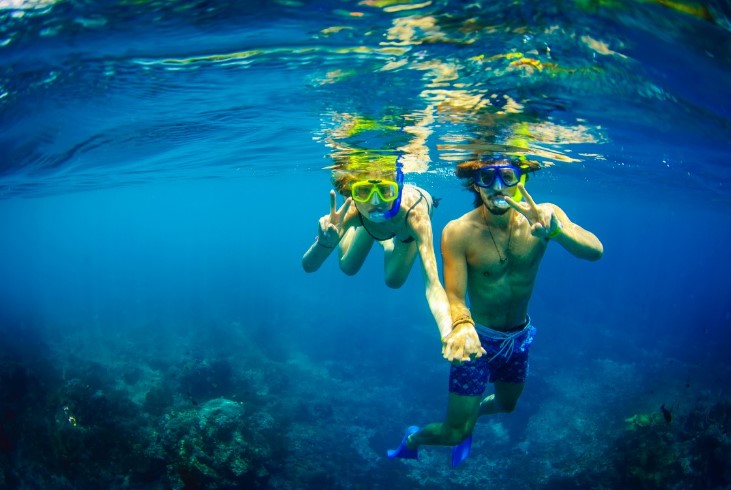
495	258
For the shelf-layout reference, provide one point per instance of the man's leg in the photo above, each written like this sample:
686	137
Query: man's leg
460	420
503	400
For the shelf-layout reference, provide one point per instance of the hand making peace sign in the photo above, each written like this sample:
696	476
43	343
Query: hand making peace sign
331	225
543	221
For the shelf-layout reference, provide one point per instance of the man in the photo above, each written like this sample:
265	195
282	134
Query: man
492	254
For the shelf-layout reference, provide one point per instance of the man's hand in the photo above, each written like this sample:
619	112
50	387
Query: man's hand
331	225
542	220
462	344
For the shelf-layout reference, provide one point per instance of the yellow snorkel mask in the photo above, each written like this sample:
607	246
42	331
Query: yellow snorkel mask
386	190
363	190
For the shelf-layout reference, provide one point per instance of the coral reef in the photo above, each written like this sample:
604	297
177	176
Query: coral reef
693	451
211	446
110	416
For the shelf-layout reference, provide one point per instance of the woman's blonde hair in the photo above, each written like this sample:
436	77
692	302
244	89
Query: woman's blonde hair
354	168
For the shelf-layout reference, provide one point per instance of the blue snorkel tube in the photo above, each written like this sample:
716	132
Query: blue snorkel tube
374	216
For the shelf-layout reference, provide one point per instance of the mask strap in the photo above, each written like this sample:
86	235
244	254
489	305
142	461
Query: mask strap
400	182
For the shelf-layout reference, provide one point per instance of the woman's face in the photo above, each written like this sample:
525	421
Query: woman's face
374	197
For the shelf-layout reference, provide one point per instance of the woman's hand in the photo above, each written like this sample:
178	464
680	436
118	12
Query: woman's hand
330	226
462	344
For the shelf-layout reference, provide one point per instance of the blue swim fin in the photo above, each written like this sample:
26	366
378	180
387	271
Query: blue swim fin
403	451
461	451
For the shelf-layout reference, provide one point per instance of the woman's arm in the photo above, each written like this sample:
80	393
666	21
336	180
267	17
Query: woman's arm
435	294
329	230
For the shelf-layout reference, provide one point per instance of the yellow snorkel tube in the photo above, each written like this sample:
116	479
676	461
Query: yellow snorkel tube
520	140
523	177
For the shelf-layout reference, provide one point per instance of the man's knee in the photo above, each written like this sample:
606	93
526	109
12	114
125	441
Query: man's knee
507	406
453	435
507	396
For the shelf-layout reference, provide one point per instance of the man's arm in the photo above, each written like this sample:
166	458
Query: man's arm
455	272
462	340
550	222
578	241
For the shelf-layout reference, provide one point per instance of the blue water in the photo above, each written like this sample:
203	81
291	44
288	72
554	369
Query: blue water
162	170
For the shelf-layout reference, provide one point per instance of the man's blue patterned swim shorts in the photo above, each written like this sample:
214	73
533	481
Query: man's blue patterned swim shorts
506	360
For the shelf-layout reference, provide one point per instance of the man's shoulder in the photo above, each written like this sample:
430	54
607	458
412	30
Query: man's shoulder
463	224
467	218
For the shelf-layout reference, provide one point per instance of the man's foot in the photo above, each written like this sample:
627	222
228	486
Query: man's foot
487	406
403	451
387	245
461	451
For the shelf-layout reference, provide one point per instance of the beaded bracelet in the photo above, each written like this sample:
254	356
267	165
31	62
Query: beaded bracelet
557	231
554	233
460	321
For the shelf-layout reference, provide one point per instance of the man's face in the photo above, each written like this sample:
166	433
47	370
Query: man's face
494	182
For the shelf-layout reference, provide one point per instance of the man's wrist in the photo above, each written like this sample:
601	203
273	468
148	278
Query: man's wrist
461	321
556	231
455	324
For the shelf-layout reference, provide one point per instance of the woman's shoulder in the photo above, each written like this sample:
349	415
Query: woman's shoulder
416	203
412	194
416	191
352	216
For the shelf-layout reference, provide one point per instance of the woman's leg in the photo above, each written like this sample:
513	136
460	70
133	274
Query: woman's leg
399	258
353	249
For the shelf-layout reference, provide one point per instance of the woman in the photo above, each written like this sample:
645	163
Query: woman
386	211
